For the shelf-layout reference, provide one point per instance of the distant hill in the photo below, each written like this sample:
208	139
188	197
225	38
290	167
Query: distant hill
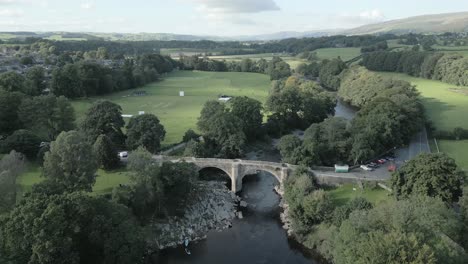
439	23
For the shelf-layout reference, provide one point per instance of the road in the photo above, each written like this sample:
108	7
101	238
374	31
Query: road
418	144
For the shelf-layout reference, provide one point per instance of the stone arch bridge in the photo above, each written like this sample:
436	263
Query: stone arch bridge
236	169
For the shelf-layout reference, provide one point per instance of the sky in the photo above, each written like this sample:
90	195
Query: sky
209	17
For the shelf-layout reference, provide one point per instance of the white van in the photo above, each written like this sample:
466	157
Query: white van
123	154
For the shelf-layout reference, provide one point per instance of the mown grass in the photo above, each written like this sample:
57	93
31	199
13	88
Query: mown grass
178	114
458	149
446	108
342	194
344	53
105	180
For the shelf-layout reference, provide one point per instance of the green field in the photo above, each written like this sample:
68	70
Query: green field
456	149
344	53
462	50
105	180
61	38
288	58
446	108
178	114
344	193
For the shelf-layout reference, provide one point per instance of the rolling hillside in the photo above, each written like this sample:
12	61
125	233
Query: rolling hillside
439	23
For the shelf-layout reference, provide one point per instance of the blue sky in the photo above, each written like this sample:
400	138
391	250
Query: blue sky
209	17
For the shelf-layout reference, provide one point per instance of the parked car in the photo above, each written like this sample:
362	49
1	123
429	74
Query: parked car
372	165
381	161
364	167
123	154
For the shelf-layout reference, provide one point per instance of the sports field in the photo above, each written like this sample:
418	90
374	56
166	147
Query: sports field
447	108
178	114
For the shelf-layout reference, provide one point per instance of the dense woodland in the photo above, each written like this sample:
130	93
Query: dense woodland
450	68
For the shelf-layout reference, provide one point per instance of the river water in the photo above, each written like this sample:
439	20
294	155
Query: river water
258	238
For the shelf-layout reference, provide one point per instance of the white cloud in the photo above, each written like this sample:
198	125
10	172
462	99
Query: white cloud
11	12
87	5
363	18
236	6
375	14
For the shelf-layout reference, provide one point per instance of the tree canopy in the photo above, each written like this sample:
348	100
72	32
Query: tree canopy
71	162
434	175
146	131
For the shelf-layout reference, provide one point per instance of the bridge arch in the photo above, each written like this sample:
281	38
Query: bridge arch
250	170
221	168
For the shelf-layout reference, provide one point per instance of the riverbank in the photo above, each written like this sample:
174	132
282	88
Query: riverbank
213	207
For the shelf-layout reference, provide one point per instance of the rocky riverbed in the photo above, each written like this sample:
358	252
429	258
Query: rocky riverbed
213	207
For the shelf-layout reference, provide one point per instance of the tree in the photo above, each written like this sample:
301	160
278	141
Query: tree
434	175
146	131
47	115
106	153
104	117
289	148
464	215
209	110
178	180
12	82
298	103
278	69
71	162
342	213
317	207
416	230
66	81
190	135
221	127
23	141
9	104
11	166
249	111
70	228
330	138
35	80
330	71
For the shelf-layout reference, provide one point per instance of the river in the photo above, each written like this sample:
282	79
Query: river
257	238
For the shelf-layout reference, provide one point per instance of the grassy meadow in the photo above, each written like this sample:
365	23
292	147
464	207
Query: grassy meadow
342	194
291	60
446	108
344	53
178	114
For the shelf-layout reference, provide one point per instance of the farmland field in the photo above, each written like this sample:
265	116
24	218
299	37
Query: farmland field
179	114
331	53
446	108
288	58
